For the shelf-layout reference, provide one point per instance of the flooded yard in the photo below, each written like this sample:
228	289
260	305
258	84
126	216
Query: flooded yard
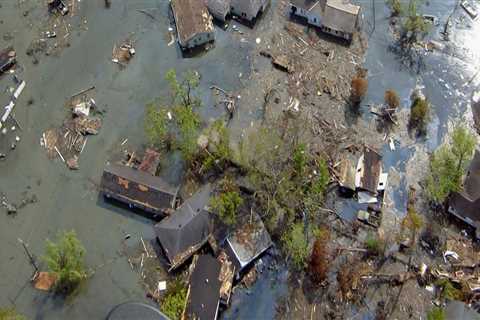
82	58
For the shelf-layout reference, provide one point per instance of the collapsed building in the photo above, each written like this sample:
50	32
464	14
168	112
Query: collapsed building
465	205
370	180
194	23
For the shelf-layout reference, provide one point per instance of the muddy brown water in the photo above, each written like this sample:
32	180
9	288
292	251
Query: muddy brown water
69	200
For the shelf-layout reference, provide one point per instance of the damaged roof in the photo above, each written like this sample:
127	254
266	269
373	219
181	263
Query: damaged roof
187	229
204	295
341	15
372	167
305	4
249	241
218	8
191	18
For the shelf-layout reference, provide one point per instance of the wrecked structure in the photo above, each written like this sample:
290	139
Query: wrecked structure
465	205
7	59
248	242
186	230
248	9
311	10
58	6
137	189
370	180
194	23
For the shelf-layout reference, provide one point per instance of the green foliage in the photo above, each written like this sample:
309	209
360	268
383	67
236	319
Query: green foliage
448	164
436	313
374	245
65	258
299	159
218	146
226	205
448	291
414	21
174	301
156	128
295	245
395	7
419	114
186	125
10	314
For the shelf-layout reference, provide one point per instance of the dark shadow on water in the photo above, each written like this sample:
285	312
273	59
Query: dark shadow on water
124	210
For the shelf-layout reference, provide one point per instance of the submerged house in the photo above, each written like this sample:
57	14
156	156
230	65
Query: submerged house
340	18
187	229
370	180
248	9
194	23
219	9
465	205
137	188
248	242
311	10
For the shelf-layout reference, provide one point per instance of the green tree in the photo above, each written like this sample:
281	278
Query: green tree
448	164
10	314
395	7
65	258
414	21
374	245
436	313
419	114
173	303
226	205
295	245
156	128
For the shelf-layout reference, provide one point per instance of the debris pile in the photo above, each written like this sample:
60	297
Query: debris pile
124	53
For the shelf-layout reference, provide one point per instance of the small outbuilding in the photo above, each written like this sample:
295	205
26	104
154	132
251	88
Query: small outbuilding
248	9
465	205
248	242
187	229
340	18
137	189
194	23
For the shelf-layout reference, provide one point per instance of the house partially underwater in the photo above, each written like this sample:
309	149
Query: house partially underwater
137	189
194	23
185	231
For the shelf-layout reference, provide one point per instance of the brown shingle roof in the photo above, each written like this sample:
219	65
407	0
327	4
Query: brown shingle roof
191	18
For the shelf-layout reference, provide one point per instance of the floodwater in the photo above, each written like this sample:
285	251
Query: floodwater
69	199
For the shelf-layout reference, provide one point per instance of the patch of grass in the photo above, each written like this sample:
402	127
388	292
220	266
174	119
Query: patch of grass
436	313
295	245
173	303
10	314
65	258
374	245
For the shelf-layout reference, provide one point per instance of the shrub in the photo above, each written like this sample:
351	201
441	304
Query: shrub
374	245
10	314
419	114
414	22
358	90
320	260
295	245
65	258
226	205
300	159
391	99
448	291
436	313
395	7
173	303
